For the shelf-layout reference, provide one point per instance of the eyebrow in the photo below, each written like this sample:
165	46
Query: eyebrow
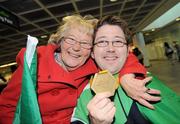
72	36
101	37
120	37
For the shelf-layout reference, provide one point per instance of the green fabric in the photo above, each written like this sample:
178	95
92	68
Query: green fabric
81	112
27	110
166	112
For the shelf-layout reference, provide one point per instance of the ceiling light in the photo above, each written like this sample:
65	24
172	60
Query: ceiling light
44	36
147	34
6	65
153	29
177	19
113	0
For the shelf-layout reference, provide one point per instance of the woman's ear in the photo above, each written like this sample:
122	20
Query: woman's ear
59	46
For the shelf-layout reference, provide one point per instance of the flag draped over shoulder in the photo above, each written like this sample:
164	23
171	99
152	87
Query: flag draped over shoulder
27	110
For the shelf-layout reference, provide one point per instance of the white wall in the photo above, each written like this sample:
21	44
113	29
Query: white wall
155	50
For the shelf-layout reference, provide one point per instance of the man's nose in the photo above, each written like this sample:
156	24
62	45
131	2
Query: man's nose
110	46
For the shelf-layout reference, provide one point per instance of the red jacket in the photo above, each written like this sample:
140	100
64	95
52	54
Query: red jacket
58	90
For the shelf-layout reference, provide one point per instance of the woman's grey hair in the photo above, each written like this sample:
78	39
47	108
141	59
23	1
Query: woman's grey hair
85	24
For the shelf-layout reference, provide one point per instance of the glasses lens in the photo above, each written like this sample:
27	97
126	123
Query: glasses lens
85	45
69	40
106	43
72	41
102	43
118	43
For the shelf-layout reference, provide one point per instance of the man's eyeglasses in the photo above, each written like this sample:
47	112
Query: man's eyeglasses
105	43
72	41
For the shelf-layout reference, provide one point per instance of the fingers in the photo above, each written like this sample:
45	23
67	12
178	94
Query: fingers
99	101
103	103
109	106
146	80
111	113
101	108
100	96
149	97
137	90
154	91
145	103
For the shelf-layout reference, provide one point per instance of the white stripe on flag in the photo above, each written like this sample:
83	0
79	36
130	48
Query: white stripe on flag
30	49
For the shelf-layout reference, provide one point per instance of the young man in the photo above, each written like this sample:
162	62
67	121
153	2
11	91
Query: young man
110	53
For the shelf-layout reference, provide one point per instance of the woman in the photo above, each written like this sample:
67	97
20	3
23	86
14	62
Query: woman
64	68
169	52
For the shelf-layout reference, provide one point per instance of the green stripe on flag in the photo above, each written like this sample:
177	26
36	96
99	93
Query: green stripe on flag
27	110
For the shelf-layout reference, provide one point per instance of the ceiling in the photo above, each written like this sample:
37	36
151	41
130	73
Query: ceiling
42	17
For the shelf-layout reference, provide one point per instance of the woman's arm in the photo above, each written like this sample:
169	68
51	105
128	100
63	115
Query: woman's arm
137	90
10	94
136	87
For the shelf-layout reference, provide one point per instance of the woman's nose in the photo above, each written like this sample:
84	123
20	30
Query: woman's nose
76	46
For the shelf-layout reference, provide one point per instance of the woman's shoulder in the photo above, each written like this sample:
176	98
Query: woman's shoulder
44	48
41	50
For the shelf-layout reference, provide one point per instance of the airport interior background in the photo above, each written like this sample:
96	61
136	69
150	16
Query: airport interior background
153	22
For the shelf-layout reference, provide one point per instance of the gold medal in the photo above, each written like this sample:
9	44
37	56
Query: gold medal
104	81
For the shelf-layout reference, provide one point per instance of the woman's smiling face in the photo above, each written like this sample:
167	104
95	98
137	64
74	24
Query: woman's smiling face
74	56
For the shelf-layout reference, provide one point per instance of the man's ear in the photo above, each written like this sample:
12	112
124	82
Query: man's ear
92	54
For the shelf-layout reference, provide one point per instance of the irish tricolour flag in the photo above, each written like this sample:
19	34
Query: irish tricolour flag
27	110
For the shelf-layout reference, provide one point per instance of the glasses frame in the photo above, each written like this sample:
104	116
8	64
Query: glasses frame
106	43
89	46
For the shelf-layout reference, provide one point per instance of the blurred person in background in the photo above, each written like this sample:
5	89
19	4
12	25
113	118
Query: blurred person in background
177	50
3	82
169	52
139	55
2	79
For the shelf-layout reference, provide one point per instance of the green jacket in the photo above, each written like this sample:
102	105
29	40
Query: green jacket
167	111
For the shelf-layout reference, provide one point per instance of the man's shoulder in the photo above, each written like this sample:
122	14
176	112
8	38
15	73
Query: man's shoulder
86	90
86	95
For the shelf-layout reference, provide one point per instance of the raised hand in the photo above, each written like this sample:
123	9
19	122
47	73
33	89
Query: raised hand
101	109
